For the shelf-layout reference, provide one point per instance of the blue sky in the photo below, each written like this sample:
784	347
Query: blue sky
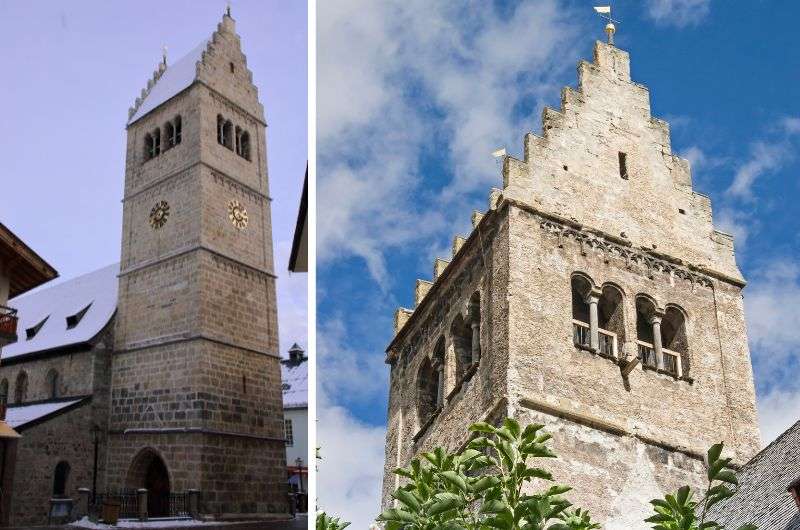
72	69
412	98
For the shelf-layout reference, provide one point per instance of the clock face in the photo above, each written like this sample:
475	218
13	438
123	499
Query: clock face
237	214
159	214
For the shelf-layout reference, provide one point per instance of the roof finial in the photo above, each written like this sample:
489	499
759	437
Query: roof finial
610	29
228	8
164	55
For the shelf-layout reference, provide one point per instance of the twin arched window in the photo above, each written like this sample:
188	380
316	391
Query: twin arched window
21	388
172	137
237	140
599	325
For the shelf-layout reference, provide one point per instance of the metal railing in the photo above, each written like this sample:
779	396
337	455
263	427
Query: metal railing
128	504
158	505
671	359
607	340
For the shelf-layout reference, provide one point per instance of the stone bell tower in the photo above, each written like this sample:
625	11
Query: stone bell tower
606	307
196	390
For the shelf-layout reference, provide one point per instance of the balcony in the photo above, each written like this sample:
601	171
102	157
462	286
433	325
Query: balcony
607	340
8	326
647	355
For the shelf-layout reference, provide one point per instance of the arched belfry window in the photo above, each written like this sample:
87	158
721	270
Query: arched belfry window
475	325
157	142
581	287
611	321
178	129
645	316
674	341
60	477
244	145
427	390
52	382
169	132
227	134
21	388
237	136
220	130
461	335
149	147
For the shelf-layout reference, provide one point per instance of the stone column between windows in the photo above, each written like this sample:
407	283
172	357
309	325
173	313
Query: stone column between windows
476	341
593	298
655	320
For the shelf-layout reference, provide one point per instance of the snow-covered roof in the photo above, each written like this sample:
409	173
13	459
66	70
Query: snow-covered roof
175	78
294	376
96	290
18	416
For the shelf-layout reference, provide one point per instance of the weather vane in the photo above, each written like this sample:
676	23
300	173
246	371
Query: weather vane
605	12
228	8
164	54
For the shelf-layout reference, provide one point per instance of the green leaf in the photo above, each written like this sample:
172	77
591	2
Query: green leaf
394	514
482	427
407	498
714	453
455	479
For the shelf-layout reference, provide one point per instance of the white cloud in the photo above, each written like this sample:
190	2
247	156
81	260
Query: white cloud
735	222
777	411
678	13
773	327
791	125
764	157
351	470
350	372
396	79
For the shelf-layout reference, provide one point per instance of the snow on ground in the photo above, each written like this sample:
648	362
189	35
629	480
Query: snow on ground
155	523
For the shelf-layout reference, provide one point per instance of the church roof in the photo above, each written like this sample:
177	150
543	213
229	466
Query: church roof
294	376
68	313
174	79
762	498
18	416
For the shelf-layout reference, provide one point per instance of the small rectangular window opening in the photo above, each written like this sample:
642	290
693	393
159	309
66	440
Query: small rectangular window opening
623	165
232	67
681	211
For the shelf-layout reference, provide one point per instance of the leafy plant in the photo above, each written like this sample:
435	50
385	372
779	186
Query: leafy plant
681	512
326	522
482	487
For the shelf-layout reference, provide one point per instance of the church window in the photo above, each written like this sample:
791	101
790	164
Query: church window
581	286
461	336
60	476
288	431
623	165
611	322
74	320
4	390
244	145
149	147
178	129
238	140
674	343
169	132
232	67
645	311
427	391
227	134
32	331
244	383
21	388
52	383
220	130
157	142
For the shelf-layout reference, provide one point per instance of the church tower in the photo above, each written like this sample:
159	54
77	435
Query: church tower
594	297
196	390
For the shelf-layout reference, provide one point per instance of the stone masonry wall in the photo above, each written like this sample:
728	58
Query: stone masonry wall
482	266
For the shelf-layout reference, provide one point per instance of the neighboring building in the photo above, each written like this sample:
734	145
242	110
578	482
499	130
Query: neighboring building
769	488
294	374
165	369
21	269
595	297
298	261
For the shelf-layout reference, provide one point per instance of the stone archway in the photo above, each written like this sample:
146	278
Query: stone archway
149	471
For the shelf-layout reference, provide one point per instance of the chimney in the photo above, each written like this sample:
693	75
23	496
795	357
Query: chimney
794	490
296	354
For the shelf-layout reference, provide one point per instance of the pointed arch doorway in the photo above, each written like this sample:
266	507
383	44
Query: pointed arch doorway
149	471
